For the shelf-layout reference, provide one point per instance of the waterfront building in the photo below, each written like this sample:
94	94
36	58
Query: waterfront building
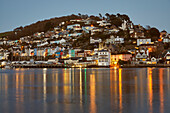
166	56
104	58
140	56
116	57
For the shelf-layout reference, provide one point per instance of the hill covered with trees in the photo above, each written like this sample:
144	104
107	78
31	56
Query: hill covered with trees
45	25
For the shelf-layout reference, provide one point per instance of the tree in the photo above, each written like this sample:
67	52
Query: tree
100	15
154	33
121	33
147	27
48	26
125	17
79	14
107	15
117	22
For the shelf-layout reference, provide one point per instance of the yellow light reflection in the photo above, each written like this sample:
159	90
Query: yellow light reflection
168	73
150	90
6	84
44	84
136	89
19	83
113	87
120	89
92	94
81	94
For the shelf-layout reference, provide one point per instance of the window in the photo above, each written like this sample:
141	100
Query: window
144	56
138	56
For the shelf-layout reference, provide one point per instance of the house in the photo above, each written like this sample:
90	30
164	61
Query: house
143	41
116	57
152	60
71	53
87	29
103	23
75	27
3	42
81	53
96	40
58	41
104	58
89	58
74	34
119	40
166	56
111	40
137	34
150	47
73	60
140	56
166	40
2	57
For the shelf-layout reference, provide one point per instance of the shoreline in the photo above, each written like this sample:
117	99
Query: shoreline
90	66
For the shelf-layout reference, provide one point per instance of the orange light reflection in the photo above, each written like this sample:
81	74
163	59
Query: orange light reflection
161	90
92	94
150	90
120	90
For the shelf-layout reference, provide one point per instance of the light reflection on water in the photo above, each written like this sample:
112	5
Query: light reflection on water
85	90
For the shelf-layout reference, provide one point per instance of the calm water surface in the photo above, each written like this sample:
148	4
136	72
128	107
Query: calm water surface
81	90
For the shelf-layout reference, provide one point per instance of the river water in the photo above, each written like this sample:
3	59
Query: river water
85	90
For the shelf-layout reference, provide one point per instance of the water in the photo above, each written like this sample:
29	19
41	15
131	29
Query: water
81	90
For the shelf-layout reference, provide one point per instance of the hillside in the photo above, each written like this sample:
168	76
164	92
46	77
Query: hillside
45	25
40	26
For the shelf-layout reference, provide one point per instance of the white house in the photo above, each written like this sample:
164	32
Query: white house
141	56
119	40
111	40
103	23
58	41
92	41
143	41
74	27
166	40
166	56
74	34
89	58
87	28
104	58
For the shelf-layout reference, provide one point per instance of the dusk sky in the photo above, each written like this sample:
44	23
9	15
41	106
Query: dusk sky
15	13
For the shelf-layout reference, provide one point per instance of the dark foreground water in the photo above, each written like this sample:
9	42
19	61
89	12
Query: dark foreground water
104	90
